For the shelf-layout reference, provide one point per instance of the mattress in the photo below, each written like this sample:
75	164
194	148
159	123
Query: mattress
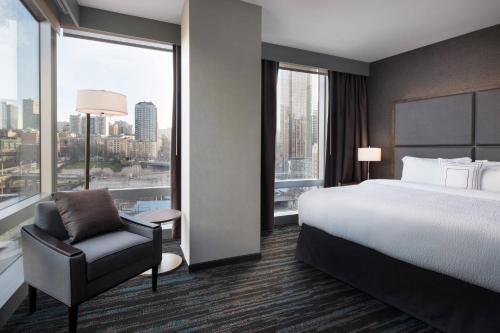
450	231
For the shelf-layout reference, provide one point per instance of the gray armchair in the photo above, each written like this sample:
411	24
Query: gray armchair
75	273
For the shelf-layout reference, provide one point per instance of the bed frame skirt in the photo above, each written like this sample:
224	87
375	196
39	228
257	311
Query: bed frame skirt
446	303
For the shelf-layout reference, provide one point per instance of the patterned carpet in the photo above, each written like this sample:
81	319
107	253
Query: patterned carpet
274	294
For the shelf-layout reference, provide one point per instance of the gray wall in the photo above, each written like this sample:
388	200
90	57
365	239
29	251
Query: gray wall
466	63
221	65
308	58
127	25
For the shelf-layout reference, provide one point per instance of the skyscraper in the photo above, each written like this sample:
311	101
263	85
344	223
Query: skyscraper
124	127
146	122
75	124
63	126
113	129
9	116
3	114
31	114
99	125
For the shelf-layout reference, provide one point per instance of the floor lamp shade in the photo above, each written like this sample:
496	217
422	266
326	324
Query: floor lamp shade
101	102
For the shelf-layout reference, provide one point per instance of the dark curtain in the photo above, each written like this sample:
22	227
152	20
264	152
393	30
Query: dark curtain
268	139
347	128
175	150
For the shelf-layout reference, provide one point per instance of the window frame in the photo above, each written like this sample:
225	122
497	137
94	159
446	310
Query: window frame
126	193
22	211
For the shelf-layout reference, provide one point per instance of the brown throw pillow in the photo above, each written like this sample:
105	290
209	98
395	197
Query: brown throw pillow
87	213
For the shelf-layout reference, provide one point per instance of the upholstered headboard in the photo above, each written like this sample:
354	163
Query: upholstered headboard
448	126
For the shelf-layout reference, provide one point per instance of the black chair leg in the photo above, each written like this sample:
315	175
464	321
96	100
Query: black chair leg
32	298
154	277
72	318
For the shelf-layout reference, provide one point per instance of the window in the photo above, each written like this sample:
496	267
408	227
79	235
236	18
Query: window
19	116
128	153
301	107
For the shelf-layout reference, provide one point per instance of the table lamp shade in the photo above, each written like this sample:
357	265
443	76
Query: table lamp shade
369	154
101	102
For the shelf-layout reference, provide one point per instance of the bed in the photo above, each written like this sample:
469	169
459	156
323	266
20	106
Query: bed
431	251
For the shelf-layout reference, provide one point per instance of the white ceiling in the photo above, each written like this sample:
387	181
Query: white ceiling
366	30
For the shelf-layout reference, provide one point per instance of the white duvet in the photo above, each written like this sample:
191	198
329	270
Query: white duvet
451	231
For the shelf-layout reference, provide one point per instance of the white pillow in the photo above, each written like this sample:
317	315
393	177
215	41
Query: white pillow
490	177
426	170
461	175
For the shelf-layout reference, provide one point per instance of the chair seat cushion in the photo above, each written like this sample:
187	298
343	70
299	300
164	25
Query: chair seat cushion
111	251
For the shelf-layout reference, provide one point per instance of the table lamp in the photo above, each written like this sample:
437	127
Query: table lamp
369	155
98	102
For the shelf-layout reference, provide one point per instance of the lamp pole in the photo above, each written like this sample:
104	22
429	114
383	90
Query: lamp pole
101	102
87	153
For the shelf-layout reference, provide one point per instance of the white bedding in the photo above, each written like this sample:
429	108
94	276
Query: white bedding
451	231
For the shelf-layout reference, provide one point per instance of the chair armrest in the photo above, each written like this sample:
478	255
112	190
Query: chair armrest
140	227
145	229
51	242
142	223
54	267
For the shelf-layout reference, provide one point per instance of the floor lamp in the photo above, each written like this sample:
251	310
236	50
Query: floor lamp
369	155
98	102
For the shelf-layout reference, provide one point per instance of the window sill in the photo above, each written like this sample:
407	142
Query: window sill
290	183
13	290
292	218
20	211
285	213
11	280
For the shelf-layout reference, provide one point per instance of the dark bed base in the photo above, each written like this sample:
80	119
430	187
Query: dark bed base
444	302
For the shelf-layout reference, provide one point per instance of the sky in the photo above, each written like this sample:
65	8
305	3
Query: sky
139	73
18	53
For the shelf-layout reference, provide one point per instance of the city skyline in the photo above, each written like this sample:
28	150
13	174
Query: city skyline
141	74
297	132
19	104
120	155
76	123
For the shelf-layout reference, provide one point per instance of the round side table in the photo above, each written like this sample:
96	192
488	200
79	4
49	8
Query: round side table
169	261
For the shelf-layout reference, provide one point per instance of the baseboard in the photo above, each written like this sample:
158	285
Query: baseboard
225	261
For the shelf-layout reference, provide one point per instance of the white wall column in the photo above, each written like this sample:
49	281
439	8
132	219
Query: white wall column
221	68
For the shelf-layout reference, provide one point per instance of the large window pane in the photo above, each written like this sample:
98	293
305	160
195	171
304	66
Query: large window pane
299	132
19	116
128	152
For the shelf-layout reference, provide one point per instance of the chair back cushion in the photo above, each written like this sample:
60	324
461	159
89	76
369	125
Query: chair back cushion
48	219
87	213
